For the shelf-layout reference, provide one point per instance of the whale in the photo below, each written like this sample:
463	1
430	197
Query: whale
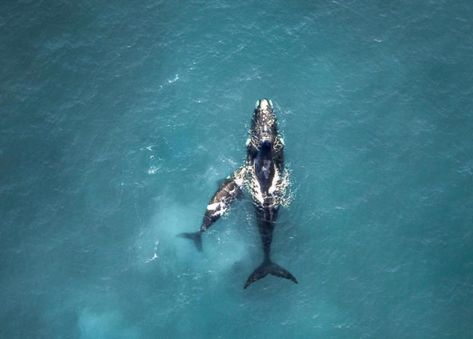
264	176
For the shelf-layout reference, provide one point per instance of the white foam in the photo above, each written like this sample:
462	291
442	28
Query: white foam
153	170
176	77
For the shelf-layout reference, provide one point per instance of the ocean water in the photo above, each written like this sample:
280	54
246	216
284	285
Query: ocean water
118	119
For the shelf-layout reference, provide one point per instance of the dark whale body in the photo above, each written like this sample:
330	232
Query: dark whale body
265	178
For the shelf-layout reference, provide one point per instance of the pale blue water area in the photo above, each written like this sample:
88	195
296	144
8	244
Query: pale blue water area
118	119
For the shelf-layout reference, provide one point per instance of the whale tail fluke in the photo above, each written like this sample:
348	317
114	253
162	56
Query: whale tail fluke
195	236
268	267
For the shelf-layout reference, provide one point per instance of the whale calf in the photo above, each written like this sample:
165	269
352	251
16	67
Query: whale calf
264	176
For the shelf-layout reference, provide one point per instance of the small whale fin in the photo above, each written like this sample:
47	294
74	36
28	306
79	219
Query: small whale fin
195	236
266	268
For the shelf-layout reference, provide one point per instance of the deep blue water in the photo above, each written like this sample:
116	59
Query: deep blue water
118	120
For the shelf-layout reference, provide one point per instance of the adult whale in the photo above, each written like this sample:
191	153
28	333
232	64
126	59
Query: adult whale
266	179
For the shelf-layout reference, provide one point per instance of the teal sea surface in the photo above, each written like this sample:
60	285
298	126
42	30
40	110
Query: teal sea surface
118	119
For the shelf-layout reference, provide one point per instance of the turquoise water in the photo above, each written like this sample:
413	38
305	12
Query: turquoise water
118	120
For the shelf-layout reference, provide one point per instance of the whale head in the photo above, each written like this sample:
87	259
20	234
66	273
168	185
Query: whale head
264	128
264	105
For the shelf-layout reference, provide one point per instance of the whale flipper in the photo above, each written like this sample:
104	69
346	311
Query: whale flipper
268	267
195	236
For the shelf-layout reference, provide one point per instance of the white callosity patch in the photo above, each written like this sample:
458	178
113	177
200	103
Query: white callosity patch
214	206
282	191
274	184
277	193
278	144
264	104
218	208
239	176
254	187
